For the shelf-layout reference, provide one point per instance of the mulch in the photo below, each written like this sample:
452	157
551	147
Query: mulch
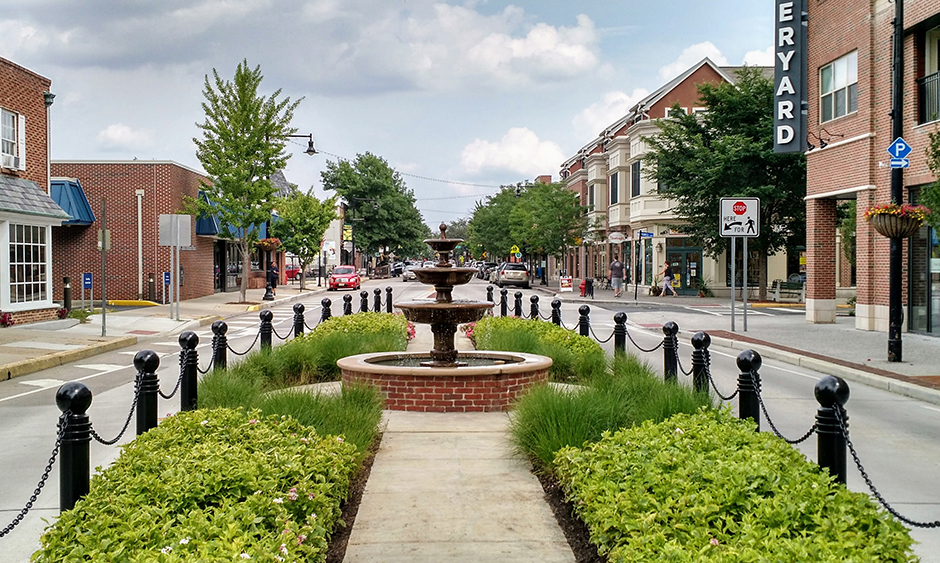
575	530
340	538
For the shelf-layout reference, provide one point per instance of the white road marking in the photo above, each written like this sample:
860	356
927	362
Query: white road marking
101	367
10	398
42	383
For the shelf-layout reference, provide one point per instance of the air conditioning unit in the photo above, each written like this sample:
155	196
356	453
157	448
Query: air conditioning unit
10	161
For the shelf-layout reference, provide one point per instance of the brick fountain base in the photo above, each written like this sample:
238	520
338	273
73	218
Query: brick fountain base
473	388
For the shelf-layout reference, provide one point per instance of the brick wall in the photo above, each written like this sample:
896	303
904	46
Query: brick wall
21	91
75	248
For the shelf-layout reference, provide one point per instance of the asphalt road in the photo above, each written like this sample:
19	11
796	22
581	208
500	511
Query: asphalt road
898	439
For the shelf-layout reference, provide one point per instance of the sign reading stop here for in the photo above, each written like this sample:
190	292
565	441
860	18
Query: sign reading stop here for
740	217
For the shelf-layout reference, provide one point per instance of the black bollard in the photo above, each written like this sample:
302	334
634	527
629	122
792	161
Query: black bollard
489	293
219	345
388	299
670	360
832	393
620	333
377	300
556	312
147	362
347	304
268	293
517	304
325	309
74	465
584	320
700	343
748	386
503	303
363	301
534	307
267	328
298	319
67	293
189	362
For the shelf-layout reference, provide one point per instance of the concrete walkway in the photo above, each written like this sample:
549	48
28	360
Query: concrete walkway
447	487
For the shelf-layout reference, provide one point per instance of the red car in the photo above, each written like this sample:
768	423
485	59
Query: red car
291	271
343	277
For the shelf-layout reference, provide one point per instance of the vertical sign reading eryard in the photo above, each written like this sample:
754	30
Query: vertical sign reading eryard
790	106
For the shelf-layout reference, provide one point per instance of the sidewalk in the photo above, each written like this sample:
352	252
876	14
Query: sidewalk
34	347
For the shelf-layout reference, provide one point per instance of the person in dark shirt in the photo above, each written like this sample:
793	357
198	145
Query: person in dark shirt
272	278
667	275
616	276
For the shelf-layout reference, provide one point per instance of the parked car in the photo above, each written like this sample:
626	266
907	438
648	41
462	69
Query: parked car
493	276
513	273
291	271
485	269
344	277
397	269
429	264
409	273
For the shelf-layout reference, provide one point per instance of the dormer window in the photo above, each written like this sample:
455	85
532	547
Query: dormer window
12	140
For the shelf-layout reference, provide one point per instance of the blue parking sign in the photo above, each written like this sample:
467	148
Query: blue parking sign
166	278
86	280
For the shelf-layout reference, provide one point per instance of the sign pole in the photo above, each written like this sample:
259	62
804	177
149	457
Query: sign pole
104	270
173	226
179	268
733	275
744	288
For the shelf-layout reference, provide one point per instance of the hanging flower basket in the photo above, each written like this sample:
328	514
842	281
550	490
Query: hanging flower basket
270	244
897	221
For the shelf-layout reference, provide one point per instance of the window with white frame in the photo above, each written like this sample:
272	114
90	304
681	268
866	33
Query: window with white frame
8	139
670	110
28	250
591	196
838	88
614	188
635	178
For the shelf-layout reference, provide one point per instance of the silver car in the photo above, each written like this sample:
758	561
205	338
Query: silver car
513	273
409	273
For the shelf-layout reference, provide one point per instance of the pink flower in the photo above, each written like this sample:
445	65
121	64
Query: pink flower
714	541
253	421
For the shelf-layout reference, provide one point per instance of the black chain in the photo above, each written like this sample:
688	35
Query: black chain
544	318
845	433
63	424
232	350
708	373
274	330
598	339
308	327
679	358
760	400
208	367
566	328
184	354
630	336
129	415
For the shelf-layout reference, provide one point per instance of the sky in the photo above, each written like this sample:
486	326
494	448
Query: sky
460	97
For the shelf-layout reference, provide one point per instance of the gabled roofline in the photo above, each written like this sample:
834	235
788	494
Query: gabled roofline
661	92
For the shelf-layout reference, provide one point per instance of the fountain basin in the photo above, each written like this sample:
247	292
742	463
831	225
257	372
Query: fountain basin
458	312
408	386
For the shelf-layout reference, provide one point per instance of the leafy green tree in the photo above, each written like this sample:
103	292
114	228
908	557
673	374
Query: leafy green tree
303	220
381	207
490	227
548	219
930	194
243	139
728	152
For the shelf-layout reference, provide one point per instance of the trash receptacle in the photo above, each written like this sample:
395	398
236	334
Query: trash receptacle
589	288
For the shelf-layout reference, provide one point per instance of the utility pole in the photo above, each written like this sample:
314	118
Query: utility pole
895	312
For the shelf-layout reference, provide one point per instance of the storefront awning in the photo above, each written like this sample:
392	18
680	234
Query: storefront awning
69	195
210	226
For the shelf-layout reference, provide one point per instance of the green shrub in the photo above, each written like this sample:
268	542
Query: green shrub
548	418
209	486
706	487
574	357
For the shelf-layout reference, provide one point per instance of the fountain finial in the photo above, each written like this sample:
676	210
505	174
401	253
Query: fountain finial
443	229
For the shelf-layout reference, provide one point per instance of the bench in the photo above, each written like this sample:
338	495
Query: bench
785	289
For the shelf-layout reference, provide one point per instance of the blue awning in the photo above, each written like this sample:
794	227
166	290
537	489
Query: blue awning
70	196
209	225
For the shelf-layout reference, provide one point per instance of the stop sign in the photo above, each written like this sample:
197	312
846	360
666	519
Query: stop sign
739	208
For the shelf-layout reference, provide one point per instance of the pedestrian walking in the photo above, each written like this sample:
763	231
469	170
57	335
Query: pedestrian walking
667	275
272	278
616	276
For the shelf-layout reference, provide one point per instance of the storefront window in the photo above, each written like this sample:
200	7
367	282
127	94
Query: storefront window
648	259
28	248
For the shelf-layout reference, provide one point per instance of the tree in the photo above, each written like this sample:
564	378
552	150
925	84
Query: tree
728	152
548	219
381	206
242	145
303	220
490	227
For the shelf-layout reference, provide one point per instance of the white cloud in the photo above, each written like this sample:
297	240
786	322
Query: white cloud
120	137
519	151
760	58
611	107
690	56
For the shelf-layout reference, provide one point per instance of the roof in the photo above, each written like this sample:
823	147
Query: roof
280	183
27	198
68	194
661	92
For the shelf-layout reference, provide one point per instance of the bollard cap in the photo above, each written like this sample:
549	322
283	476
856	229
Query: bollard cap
504	291
517	294
620	318
831	390
325	303
189	340
701	340
347	298
146	361
388	289
584	310
534	299
749	360
219	328
73	396
298	308
266	316
670	328
363	293
377	291
556	303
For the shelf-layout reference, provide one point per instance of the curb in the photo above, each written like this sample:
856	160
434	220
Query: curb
32	365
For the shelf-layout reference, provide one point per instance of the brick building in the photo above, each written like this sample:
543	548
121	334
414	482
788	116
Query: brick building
607	174
136	193
849	129
27	212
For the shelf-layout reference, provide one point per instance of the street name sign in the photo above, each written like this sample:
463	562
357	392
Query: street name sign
740	217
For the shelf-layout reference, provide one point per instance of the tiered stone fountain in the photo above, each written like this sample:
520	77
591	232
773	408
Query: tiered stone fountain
443	380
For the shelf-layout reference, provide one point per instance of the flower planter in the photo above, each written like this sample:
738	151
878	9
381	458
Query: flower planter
894	226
